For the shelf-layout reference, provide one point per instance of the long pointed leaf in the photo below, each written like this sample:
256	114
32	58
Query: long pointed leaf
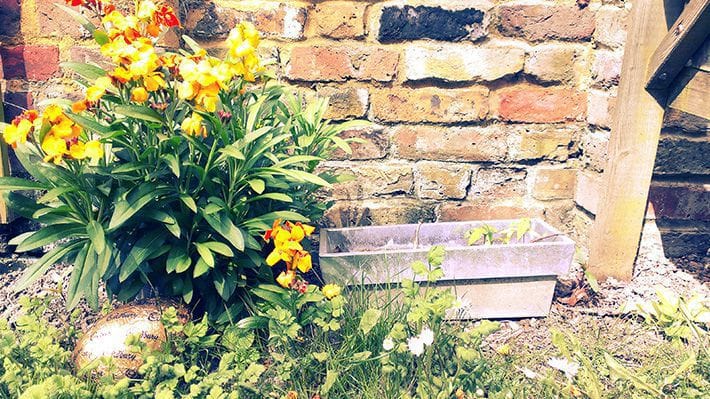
141	250
8	183
50	234
39	268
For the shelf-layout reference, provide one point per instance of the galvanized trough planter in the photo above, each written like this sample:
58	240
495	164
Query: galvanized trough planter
495	281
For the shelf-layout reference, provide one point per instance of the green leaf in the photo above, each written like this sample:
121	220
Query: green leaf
189	202
50	234
96	233
141	250
331	376
74	291
272	196
616	369
369	320
201	267
232	151
191	43
205	254
101	37
257	185
419	268
297	159
138	112
8	183
221	222
39	268
172	161
134	202
178	260
436	255
52	194
88	71
218	247
224	283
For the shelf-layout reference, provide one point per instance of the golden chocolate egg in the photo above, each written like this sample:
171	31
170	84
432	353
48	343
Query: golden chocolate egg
107	337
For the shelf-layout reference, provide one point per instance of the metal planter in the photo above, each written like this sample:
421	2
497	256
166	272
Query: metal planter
493	281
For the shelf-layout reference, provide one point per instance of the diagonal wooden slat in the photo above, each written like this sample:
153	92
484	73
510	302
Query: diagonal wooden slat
685	36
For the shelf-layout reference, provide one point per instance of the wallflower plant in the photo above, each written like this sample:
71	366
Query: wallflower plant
170	168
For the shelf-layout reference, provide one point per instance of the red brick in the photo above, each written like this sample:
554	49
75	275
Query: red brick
345	102
89	55
15	102
528	103
430	104
543	22
472	144
442	180
31	62
336	64
376	64
320	64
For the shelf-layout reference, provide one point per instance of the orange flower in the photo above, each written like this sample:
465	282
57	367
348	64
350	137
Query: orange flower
139	94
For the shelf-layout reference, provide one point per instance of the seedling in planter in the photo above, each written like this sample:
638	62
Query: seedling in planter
490	235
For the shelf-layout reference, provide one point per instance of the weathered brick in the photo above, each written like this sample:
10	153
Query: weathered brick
54	22
528	103
439	180
545	142
594	146
487	210
611	26
10	11
588	191
30	61
379	212
375	64
680	201
554	183
600	105
345	102
552	63
373	180
90	55
687	123
15	102
606	68
401	23
338	19
682	242
337	64
429	105
488	183
374	146
470	144
546	22
461	62
682	156
210	21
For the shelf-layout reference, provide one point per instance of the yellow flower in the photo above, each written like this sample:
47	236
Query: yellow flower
54	148
302	260
193	126
154	81
98	89
17	134
139	94
331	290
286	278
146	9
66	129
94	149
53	113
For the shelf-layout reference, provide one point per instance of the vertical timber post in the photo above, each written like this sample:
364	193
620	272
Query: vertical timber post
635	131
4	166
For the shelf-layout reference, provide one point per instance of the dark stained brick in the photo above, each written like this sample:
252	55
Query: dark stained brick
422	22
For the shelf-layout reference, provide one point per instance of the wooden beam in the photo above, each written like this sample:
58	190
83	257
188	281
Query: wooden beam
685	36
632	148
691	93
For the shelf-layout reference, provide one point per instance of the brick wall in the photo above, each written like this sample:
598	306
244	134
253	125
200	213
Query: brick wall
481	109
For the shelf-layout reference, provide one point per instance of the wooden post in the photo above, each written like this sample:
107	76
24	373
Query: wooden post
4	166
635	131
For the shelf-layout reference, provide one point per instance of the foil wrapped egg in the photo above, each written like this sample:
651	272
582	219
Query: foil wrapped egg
107	337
